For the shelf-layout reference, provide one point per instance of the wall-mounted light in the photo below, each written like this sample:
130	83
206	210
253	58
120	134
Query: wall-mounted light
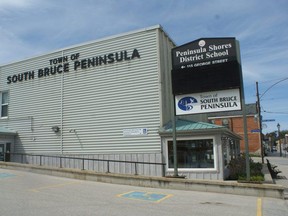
55	129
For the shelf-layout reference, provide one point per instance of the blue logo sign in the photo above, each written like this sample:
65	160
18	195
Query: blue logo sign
185	103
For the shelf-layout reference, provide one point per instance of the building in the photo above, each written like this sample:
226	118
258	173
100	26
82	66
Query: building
234	121
106	99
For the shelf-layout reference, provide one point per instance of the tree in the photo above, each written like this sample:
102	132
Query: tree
274	134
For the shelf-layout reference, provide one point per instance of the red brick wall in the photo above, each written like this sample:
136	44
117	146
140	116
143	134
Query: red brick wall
236	125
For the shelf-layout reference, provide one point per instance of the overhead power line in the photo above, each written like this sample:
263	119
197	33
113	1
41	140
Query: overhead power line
284	113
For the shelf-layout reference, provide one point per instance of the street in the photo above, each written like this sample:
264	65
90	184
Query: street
29	194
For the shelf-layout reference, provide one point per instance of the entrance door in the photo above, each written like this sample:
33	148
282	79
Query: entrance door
1	152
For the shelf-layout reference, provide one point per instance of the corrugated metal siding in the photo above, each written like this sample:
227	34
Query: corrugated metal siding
33	106
98	102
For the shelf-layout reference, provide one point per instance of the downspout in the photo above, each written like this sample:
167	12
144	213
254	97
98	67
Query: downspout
160	95
61	130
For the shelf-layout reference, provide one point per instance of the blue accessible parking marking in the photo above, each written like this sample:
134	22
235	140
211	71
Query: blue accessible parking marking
6	175
146	196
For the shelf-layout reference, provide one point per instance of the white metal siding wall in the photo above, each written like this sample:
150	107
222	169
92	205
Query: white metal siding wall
98	103
34	106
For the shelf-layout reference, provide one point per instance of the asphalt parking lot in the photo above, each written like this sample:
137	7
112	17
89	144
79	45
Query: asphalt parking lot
30	194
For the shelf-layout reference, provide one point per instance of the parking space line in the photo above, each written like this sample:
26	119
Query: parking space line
53	186
259	207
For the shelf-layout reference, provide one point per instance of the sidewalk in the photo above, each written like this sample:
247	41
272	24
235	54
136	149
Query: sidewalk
282	165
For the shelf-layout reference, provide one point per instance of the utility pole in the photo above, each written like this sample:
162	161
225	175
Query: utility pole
260	119
260	122
247	162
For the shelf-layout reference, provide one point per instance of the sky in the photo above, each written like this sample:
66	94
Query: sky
30	28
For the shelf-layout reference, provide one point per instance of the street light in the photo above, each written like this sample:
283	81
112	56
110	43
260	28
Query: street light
278	126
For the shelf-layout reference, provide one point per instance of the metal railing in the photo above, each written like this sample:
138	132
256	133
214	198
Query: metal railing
38	159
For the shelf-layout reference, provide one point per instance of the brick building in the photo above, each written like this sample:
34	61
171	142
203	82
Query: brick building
234	121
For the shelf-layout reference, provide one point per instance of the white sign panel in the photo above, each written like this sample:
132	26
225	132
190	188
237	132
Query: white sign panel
135	132
206	102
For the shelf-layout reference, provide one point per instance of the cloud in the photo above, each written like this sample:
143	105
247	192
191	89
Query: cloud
4	4
33	27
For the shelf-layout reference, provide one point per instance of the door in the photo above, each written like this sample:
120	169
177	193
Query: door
1	152
7	152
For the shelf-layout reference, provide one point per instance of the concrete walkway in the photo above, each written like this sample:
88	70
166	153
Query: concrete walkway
282	165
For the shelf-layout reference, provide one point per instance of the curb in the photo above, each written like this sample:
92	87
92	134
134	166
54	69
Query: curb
214	186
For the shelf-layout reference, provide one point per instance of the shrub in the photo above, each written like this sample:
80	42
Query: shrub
256	178
237	169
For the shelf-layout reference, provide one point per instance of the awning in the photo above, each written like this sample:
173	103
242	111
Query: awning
184	127
7	131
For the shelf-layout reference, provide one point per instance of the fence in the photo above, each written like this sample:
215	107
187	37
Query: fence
97	165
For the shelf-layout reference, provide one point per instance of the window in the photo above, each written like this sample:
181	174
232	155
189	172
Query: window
192	154
4	104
